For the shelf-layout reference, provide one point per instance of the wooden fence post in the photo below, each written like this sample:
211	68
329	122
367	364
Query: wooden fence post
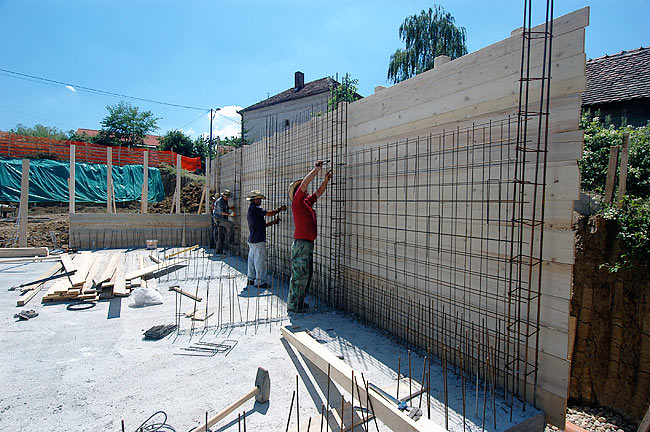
208	184
178	184
109	179
72	181
24	202
622	181
145	183
610	185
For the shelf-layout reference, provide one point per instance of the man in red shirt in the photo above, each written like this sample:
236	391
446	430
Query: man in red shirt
302	250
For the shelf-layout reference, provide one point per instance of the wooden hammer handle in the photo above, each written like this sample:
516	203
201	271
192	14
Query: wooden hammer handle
228	410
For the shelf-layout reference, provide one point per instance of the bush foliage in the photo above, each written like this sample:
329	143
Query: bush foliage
633	217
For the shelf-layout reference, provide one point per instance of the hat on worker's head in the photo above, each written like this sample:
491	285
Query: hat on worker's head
255	194
292	188
226	192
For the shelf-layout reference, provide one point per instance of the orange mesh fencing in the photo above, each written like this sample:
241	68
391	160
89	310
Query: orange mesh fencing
20	146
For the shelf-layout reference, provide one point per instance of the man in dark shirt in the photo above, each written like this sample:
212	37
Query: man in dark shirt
224	229
302	250
257	238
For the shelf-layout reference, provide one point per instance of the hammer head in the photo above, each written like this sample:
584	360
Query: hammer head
263	383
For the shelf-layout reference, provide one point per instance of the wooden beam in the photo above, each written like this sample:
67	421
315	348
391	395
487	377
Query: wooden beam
24	204
24	252
177	199
145	183
35	289
622	181
610	185
72	183
185	293
341	374
109	179
149	270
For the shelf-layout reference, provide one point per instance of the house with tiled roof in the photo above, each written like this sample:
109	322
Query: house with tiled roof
618	87
150	141
294	105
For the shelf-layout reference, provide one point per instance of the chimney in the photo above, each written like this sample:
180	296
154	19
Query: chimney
300	81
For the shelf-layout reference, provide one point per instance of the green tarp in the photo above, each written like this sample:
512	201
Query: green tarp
48	181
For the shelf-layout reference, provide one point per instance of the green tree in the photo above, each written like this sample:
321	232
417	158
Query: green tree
428	35
178	142
345	91
126	125
40	130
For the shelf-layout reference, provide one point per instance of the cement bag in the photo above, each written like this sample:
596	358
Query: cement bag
146	297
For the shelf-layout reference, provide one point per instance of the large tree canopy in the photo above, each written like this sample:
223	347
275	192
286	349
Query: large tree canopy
126	125
428	35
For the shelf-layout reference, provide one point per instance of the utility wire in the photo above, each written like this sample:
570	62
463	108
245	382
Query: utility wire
33	78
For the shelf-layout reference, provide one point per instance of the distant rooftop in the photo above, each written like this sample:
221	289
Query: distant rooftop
150	141
618	77
297	92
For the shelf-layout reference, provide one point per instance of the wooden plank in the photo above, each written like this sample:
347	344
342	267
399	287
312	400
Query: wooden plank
610	184
24	252
35	289
110	269
185	293
76	279
72	182
119	289
24	204
149	270
90	286
341	374
622	181
200	315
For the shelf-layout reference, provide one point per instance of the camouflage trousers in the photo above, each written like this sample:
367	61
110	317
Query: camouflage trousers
302	268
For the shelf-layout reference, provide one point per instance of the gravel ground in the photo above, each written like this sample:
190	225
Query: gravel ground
596	419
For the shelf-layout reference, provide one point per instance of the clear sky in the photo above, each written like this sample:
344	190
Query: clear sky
232	54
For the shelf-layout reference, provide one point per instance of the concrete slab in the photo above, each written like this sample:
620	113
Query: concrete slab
90	369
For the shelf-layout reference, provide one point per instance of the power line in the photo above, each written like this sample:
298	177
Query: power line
41	80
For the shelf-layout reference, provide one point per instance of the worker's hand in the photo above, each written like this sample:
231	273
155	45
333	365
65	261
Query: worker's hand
277	221
319	163
328	176
282	208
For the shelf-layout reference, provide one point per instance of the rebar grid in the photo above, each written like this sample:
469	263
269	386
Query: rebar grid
437	239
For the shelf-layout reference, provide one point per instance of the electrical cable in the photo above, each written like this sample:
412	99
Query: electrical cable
154	427
41	80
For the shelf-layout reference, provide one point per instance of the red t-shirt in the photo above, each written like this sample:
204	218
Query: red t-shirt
304	216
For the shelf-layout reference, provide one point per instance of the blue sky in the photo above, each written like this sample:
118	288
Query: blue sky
232	54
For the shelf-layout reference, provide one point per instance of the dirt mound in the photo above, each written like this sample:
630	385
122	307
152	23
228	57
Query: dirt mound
190	198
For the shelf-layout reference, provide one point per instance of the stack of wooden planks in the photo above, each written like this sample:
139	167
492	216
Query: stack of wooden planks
98	276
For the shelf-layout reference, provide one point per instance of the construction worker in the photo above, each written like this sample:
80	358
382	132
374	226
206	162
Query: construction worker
302	250
257	238
223	229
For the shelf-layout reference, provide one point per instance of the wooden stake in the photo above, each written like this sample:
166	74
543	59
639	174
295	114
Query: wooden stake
611	174
178	184
72	181
145	183
24	203
109	180
622	181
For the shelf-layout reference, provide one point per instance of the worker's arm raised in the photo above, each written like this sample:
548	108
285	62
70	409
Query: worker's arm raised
309	177
323	186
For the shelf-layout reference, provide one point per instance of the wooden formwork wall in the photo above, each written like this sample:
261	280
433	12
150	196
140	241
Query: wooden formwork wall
413	231
108	230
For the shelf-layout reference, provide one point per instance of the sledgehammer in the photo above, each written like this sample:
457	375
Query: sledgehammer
261	391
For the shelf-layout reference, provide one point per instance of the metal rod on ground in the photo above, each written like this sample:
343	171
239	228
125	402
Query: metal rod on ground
297	406
290	409
399	378
410	378
424	372
322	414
